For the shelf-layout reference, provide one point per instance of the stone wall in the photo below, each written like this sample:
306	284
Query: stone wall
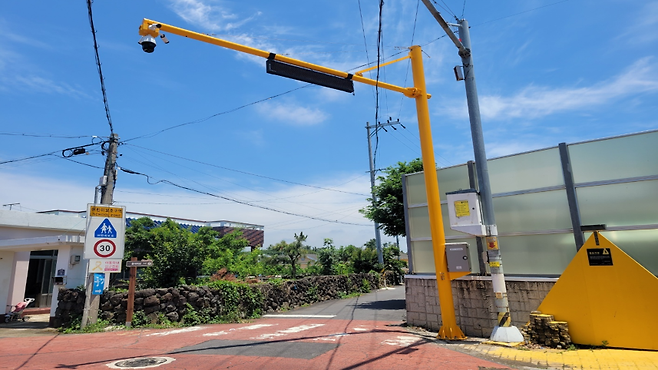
172	302
474	302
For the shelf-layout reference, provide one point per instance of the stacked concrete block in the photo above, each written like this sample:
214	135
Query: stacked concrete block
542	329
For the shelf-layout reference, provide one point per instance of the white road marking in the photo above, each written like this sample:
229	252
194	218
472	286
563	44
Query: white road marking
294	329
215	334
386	288
359	329
332	337
401	341
303	316
250	327
177	331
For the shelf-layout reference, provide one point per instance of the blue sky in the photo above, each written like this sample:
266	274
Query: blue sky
547	72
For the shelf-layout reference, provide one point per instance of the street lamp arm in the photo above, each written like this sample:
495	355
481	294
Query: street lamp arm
463	51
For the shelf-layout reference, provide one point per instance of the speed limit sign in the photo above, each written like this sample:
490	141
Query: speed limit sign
105	248
105	233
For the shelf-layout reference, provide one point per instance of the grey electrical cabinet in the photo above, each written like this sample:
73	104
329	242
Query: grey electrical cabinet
458	257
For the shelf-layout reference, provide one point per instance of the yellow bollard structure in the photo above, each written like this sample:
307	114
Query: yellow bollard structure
606	297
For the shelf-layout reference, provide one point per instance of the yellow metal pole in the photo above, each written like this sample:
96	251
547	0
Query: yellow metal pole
449	328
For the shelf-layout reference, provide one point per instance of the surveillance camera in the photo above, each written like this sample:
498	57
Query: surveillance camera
148	43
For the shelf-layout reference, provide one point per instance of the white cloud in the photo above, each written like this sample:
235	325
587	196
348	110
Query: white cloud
44	85
643	27
209	17
292	113
535	101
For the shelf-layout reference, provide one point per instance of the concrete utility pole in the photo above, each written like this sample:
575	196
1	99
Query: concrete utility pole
378	238
504	331
90	312
371	162
107	195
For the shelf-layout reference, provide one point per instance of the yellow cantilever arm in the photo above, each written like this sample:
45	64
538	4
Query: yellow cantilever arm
150	28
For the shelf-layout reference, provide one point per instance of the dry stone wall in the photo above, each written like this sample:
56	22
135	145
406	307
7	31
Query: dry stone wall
172	303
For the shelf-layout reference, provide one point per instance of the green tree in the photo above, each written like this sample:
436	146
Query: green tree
388	209
177	254
292	252
224	252
365	259
139	241
391	254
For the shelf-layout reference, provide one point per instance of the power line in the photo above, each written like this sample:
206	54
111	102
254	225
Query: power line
65	153
365	43
216	114
27	158
42	135
98	65
446	8
406	74
246	173
82	163
379	45
148	179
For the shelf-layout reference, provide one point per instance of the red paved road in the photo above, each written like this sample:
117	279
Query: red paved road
363	332
270	343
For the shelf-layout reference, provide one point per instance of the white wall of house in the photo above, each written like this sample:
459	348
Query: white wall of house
22	233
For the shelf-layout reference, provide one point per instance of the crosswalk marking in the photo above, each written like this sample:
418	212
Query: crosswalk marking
294	329
302	316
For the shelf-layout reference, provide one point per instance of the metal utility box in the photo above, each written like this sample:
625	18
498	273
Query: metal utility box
458	257
464	212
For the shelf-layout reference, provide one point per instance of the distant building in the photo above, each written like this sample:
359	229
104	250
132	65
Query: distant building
37	247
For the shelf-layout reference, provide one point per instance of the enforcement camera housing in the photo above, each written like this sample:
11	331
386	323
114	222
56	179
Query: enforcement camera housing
148	43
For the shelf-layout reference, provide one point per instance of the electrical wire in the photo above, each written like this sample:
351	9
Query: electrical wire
82	163
406	74
463	9
216	114
44	135
27	158
446	8
246	173
65	153
379	44
98	65
148	180
363	30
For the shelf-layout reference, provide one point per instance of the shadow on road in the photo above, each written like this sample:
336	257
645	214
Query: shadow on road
392	304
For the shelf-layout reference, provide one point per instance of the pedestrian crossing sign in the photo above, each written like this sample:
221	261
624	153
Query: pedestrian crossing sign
105	230
105	233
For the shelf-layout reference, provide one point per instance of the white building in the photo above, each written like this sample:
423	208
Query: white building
35	247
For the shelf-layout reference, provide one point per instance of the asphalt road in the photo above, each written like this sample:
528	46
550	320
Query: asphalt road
366	332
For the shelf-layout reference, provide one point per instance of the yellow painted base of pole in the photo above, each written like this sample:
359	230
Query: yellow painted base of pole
451	333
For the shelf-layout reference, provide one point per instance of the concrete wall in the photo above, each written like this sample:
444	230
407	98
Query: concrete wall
473	300
6	274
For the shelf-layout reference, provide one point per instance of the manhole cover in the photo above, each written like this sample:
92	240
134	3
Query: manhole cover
140	363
